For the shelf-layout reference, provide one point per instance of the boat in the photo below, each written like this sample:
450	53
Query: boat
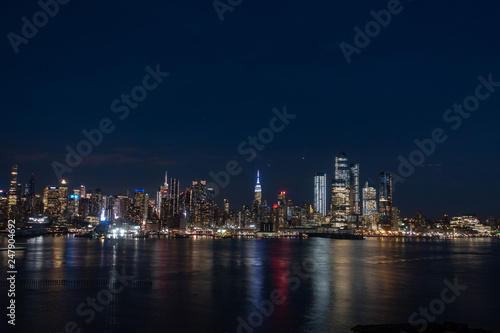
179	235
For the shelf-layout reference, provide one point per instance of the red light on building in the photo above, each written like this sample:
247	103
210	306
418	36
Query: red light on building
165	191
275	206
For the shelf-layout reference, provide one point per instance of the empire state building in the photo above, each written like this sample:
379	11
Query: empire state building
258	190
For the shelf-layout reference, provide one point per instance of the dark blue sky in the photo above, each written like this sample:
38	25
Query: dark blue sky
226	77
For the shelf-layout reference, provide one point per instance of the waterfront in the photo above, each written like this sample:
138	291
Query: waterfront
203	284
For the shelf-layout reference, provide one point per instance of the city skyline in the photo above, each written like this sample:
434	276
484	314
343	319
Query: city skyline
249	166
376	194
225	79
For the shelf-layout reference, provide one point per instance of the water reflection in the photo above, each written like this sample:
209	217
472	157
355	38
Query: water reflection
202	284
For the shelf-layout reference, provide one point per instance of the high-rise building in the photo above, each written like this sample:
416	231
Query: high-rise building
282	208
211	207
257	207
63	199
4	208
83	191
95	203
30	195
31	185
258	190
161	195
138	209
84	207
171	206
174	197
320	193
51	202
202	204
369	200
354	199
385	199
13	194
74	203
124	207
340	189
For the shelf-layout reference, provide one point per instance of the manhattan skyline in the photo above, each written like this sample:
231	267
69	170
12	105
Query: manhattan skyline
226	77
256	187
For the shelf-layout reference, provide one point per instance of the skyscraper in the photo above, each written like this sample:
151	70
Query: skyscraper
258	190
137	211
199	205
369	200
354	200
30	195
385	199
13	193
31	185
174	197
257	201
340	189
51	203
282	208
63	200
320	193
83	192
171	209
161	195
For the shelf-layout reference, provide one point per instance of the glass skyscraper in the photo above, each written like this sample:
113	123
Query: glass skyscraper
385	199
320	193
369	200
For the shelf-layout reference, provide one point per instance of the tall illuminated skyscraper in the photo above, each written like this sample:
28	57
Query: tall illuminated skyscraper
257	201
282	208
13	193
320	193
199	204
137	210
369	200
258	190
340	189
161	195
354	200
63	201
83	192
385	199
174	197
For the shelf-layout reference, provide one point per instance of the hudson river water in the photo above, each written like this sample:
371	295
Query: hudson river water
205	285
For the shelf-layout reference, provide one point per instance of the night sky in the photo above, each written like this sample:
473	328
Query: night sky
226	78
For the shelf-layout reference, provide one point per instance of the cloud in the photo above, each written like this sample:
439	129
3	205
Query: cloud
31	157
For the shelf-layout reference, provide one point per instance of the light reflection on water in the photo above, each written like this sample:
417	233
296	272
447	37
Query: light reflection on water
204	285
